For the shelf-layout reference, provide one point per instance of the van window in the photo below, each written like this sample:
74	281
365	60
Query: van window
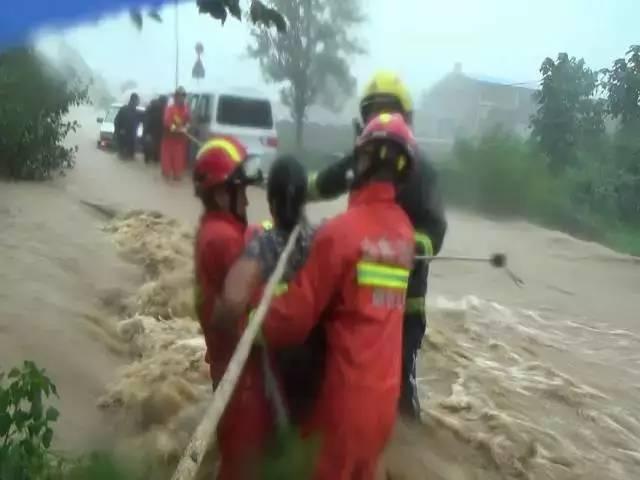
244	112
203	109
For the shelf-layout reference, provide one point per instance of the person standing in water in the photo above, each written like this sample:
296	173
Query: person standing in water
175	144
126	127
153	128
220	182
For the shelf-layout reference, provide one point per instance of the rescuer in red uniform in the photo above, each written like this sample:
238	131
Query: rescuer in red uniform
174	147
354	284
220	182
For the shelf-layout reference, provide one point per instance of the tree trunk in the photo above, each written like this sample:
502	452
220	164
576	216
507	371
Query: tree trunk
299	131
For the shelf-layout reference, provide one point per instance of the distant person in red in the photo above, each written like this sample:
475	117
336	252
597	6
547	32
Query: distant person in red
175	145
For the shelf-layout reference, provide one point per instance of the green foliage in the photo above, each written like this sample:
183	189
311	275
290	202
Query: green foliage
33	103
625	154
26	434
566	111
622	84
502	174
104	466
25	423
290	456
313	59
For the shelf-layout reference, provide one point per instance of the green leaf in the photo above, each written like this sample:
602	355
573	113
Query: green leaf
20	418
14	373
5	423
36	406
52	414
34	429
47	437
28	447
5	400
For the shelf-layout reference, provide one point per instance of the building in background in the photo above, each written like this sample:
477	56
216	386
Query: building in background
464	105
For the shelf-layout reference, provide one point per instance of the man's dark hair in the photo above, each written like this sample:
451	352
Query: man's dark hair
134	98
287	191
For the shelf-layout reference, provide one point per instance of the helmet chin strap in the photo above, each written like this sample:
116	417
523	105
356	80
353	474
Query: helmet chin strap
232	189
356	179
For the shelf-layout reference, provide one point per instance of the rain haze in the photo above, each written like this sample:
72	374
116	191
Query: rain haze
504	41
526	344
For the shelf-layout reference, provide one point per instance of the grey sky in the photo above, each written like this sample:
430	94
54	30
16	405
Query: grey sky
421	39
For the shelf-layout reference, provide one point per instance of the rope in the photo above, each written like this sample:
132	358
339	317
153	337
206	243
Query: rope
203	436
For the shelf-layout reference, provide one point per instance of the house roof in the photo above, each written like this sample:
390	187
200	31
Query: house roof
500	81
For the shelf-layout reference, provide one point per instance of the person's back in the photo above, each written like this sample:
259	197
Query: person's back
126	126
219	241
353	285
352	257
368	316
420	197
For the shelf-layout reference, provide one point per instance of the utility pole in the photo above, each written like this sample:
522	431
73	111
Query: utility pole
177	43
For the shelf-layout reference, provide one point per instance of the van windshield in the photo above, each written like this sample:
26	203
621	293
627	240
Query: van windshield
244	112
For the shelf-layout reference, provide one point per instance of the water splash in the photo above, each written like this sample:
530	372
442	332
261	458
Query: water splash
507	393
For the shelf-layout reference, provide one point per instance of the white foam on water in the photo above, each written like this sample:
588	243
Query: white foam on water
515	393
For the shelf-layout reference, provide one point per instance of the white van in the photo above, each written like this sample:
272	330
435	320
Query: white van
242	113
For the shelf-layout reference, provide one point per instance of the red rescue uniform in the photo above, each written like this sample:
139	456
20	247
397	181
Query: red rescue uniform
247	421
175	146
354	282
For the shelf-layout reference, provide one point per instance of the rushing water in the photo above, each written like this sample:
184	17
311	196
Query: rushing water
539	382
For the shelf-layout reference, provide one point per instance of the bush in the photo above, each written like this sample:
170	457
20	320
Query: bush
26	433
625	155
498	174
597	198
34	100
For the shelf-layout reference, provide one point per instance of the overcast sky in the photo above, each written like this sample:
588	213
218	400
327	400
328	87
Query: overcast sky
421	39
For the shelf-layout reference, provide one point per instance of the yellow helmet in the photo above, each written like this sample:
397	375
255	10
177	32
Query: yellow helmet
386	92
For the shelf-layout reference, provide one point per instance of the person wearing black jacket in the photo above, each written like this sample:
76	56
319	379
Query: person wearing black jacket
421	199
153	128
126	127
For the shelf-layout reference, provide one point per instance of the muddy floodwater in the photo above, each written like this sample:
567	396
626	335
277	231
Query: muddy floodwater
538	382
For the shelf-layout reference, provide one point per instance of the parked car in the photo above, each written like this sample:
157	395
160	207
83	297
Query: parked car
243	113
106	138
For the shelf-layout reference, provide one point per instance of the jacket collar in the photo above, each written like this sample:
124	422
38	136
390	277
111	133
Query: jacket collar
222	216
373	192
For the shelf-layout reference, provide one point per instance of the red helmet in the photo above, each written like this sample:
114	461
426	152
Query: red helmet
391	127
218	161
